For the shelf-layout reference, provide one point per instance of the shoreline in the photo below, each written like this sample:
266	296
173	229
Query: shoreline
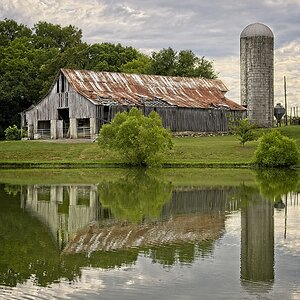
58	165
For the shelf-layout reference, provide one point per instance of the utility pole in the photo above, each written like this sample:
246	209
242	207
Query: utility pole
285	102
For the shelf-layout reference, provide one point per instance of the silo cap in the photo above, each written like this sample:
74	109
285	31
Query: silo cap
257	29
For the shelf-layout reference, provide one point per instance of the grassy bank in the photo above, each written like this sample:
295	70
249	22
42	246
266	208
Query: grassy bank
208	151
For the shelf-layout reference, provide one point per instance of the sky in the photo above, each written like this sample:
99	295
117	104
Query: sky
210	28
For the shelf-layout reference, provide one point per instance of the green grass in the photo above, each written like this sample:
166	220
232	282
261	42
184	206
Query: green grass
192	151
211	149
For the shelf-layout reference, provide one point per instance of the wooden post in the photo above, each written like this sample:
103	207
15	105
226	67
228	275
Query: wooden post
285	102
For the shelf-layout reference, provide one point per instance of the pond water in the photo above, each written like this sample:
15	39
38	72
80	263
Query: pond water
142	235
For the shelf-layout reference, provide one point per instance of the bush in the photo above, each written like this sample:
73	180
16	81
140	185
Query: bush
275	150
12	133
140	140
244	130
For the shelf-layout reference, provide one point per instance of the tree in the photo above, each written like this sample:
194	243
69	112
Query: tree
275	150
49	35
140	65
11	30
244	130
163	62
29	61
12	133
184	63
140	140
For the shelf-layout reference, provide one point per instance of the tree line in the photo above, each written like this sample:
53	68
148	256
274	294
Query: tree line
31	57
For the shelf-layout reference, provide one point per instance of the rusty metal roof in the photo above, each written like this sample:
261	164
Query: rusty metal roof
150	90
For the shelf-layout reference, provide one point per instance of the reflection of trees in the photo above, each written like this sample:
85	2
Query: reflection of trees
185	253
26	247
28	251
137	196
274	183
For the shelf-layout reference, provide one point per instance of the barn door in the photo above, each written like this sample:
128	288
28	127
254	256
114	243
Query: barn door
63	115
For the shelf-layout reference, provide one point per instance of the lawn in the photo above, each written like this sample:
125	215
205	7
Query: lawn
211	150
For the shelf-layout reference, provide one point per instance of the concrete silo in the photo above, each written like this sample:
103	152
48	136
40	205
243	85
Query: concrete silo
257	73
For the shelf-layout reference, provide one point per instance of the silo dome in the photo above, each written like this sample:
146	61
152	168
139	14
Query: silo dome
257	29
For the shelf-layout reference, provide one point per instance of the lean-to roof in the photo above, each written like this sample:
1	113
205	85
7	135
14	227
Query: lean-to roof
151	90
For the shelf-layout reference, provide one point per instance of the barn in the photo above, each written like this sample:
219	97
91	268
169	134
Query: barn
80	102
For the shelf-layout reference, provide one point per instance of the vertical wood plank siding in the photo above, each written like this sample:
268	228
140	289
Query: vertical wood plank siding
47	109
184	119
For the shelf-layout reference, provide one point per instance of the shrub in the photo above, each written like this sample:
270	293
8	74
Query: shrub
140	140
275	150
12	133
244	130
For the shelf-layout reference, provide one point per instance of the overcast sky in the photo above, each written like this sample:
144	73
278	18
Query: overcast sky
210	28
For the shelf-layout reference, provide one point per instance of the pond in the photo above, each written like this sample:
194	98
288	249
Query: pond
134	234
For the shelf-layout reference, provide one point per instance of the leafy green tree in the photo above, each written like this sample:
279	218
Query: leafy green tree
186	60
244	130
275	150
204	68
140	140
29	62
98	57
140	65
163	62
49	35
12	133
184	63
110	57
11	30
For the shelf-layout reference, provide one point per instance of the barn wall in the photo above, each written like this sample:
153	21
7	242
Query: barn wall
183	119
192	119
60	98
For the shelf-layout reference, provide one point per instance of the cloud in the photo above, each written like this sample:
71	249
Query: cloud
287	59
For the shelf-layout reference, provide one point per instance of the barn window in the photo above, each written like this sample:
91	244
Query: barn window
66	100
83	128
57	86
63	82
43	129
44	193
59	101
83	196
105	113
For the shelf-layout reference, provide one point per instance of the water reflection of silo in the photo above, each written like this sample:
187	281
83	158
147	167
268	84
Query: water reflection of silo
257	245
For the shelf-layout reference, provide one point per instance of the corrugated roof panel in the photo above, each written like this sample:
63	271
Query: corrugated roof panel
124	88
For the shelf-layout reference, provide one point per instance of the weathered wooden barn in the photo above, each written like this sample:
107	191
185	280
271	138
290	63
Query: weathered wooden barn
80	102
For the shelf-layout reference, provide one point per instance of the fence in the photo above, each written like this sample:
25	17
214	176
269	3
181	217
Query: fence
43	134
295	116
83	132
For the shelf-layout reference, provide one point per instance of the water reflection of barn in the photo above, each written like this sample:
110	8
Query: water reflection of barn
67	209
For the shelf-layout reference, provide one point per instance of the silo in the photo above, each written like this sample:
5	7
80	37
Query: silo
257	73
